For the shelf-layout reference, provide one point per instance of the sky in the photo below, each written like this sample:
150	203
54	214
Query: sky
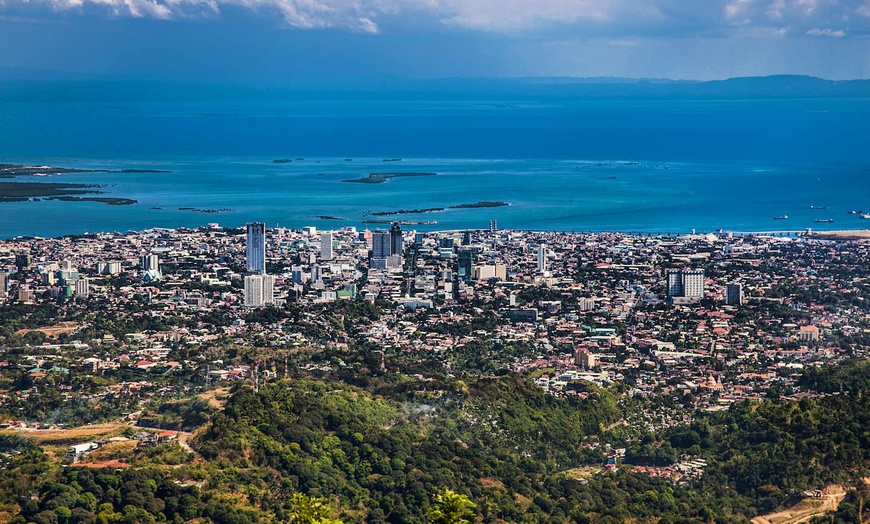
233	39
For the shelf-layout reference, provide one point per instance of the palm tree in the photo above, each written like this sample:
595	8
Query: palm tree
451	508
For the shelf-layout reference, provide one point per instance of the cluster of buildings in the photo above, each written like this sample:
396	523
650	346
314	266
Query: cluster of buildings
706	319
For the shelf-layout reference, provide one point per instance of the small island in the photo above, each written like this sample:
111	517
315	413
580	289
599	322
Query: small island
112	201
480	205
380	178
207	211
406	211
329	217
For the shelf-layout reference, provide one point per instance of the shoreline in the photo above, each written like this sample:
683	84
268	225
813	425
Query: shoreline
844	235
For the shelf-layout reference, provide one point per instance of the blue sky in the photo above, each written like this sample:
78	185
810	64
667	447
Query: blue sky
684	39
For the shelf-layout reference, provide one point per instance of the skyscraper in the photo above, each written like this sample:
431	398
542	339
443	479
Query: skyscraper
4	284
150	267
326	246
733	294
256	248
542	258
149	262
465	267
686	285
259	290
397	244
381	244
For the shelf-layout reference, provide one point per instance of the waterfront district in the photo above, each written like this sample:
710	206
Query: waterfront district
537	362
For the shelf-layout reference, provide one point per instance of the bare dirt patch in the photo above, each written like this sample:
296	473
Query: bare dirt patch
806	509
54	331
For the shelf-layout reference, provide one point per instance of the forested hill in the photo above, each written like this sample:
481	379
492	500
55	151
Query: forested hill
517	453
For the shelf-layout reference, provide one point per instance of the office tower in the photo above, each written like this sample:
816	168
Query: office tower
82	288
259	290
298	275
584	359
381	246
397	246
150	267
685	285
316	273
4	284
256	248
418	240
445	243
733	294
542	258
22	261
67	276
466	238
465	267
108	268
326	246
149	262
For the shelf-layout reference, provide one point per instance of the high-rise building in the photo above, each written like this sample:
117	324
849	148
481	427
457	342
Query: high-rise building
326	246
4	284
149	262
108	268
466	238
397	241
298	275
584	359
418	240
733	294
381	245
150	267
256	248
22	261
82	288
542	258
465	266
259	290
686	285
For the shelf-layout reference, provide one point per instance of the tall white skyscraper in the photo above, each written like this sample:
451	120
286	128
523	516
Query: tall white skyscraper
326	246
542	258
256	248
259	290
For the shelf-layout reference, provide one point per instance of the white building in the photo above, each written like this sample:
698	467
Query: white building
83	288
542	258
686	285
326	246
259	290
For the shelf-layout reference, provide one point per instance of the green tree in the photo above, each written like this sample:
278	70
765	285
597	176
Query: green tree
451	508
311	510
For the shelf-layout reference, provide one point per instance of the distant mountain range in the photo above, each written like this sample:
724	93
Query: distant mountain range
778	86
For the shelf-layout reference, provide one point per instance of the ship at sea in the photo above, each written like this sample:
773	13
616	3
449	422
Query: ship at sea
781	217
824	220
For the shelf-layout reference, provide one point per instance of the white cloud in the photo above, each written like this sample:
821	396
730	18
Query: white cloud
613	18
836	33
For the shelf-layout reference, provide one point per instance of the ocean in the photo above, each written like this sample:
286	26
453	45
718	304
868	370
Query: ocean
635	164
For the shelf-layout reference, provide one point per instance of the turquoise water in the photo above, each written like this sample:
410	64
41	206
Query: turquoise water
562	163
